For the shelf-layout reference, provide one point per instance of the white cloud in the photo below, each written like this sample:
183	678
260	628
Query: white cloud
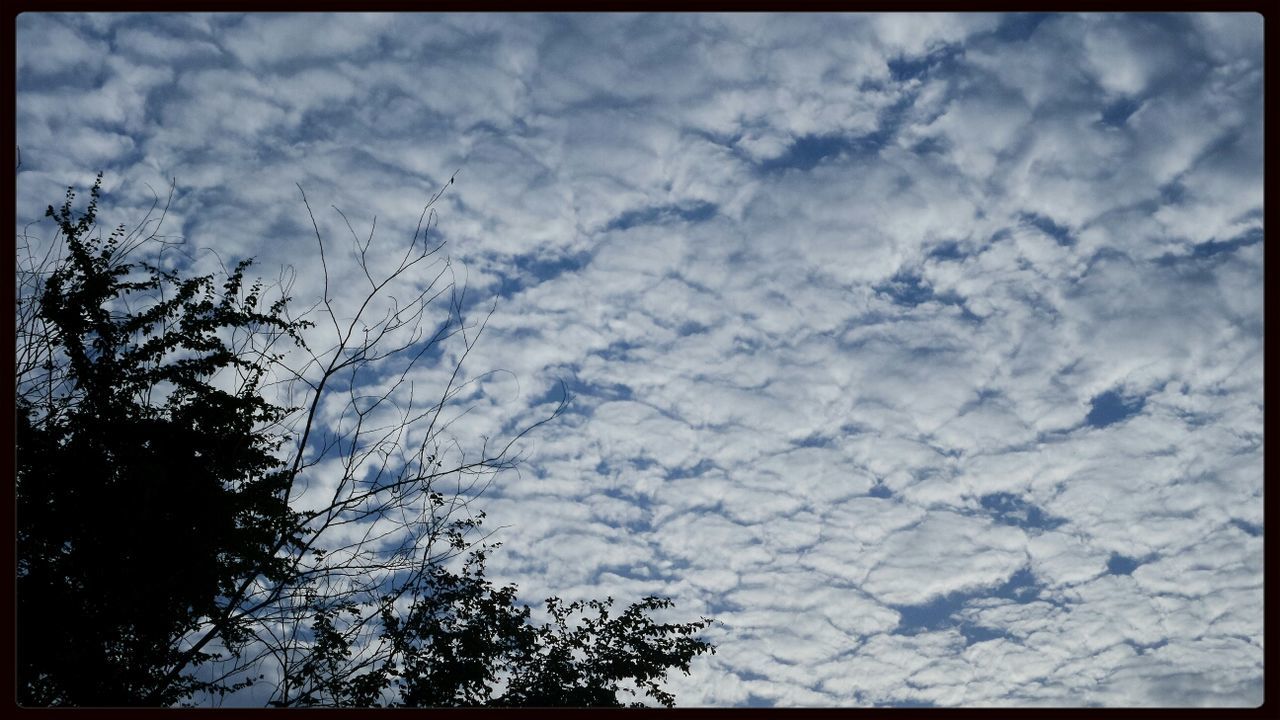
798	388
914	34
48	45
945	553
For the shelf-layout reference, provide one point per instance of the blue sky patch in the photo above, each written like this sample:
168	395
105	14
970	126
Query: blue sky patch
814	440
1172	193
1018	27
1115	114
939	613
934	615
1060	233
1145	648
1250	529
809	151
907	289
913	703
931	146
974	634
1119	564
691	327
581	394
703	466
1252	236
1009	509
535	269
949	250
905	68
880	490
694	212
1111	407
910	289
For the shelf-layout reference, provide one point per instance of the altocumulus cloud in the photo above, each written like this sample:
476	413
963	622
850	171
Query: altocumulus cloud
925	352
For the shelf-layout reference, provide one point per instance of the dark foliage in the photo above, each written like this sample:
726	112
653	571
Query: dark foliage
135	515
466	643
155	532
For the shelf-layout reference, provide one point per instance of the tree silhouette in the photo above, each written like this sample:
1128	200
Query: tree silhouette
164	549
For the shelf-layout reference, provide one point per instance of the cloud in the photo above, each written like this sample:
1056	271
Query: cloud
49	46
922	351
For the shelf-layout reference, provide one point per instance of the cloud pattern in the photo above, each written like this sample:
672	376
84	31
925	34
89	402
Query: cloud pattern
923	351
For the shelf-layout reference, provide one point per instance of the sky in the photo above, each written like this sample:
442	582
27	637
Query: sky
924	352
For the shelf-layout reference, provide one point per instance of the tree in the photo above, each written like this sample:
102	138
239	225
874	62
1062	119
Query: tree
167	429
